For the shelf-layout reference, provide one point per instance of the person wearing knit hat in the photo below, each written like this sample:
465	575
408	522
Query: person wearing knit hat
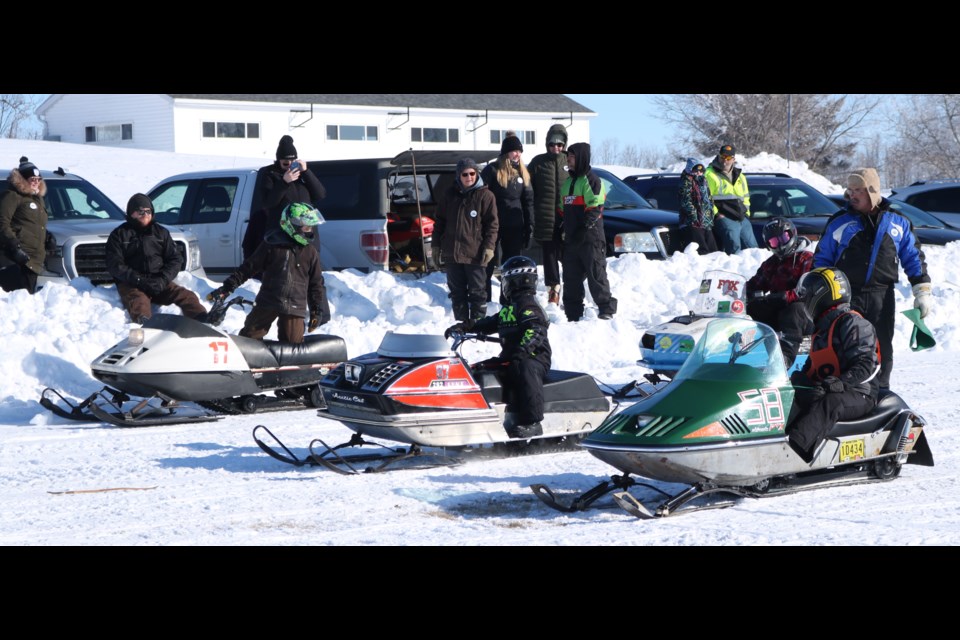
23	228
547	173
870	242
284	182
143	261
509	180
464	239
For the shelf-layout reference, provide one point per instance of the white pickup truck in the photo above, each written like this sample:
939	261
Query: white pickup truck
371	209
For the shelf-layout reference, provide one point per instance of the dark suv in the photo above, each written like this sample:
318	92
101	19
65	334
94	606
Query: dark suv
771	195
633	225
939	197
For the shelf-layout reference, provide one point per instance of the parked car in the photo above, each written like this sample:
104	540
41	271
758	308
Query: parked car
80	219
928	227
633	225
771	195
938	197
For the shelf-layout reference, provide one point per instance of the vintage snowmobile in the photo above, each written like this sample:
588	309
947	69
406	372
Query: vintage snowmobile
719	428
419	391
171	360
665	347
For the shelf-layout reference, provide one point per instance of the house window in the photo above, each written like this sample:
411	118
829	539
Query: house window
352	132
231	130
428	134
526	137
109	133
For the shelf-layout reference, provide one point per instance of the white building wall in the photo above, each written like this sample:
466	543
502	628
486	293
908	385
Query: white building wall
308	128
150	114
161	123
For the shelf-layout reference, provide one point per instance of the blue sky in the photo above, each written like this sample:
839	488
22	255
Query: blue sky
627	117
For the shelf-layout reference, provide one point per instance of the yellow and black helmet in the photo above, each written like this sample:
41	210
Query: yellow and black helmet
823	288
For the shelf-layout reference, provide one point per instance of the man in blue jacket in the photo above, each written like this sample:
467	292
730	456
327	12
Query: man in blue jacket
867	241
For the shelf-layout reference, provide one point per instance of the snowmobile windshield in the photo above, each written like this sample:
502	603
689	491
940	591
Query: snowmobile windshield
736	349
721	293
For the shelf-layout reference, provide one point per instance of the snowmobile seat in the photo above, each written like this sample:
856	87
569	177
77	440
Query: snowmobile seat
314	350
563	391
888	407
269	354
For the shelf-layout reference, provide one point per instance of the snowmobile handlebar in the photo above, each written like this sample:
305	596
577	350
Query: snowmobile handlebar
459	337
219	309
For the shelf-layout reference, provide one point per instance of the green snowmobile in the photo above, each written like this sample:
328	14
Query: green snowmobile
718	427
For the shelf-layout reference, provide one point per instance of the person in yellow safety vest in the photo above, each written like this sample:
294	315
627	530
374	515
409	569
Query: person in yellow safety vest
731	202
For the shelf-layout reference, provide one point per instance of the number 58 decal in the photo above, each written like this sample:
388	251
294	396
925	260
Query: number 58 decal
762	407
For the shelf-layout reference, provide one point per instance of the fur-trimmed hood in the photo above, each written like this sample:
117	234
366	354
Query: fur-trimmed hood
21	186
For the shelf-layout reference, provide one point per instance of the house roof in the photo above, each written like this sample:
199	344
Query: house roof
537	102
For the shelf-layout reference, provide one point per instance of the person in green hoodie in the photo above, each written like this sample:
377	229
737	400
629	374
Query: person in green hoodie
584	246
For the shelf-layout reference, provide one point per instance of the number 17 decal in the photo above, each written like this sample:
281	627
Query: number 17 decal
216	350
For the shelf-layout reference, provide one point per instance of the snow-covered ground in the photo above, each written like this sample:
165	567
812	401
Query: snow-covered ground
69	483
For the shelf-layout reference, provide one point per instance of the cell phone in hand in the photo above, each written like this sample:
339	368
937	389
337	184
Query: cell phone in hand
295	166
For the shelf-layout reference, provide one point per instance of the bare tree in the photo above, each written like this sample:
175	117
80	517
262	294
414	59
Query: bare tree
928	127
823	129
16	110
606	152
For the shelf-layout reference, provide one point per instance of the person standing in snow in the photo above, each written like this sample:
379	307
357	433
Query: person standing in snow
292	279
869	242
584	246
547	174
696	209
465	238
23	228
509	182
284	182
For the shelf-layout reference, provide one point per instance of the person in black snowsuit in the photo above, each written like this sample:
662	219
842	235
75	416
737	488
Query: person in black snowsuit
525	356
840	380
281	184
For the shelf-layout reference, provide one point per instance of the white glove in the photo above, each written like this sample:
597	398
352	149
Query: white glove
922	299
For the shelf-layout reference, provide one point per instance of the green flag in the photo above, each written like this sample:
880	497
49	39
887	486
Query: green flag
922	337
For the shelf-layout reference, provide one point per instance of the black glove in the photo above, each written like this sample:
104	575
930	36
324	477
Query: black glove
590	218
314	322
528	238
460	327
219	295
153	285
832	384
20	256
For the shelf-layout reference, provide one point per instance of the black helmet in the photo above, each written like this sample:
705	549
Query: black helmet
821	289
519	273
780	236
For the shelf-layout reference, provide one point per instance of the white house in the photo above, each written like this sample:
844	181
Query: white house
323	126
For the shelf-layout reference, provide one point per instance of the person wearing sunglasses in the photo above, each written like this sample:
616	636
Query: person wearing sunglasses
771	295
696	209
871	242
547	174
143	260
286	181
464	240
23	228
731	202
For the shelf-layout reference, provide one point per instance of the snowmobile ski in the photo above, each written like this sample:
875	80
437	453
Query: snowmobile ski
145	414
